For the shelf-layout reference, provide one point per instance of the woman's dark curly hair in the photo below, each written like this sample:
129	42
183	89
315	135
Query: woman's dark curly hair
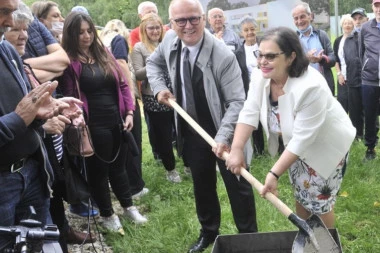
288	41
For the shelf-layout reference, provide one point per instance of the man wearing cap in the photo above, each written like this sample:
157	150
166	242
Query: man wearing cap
369	48
359	16
353	81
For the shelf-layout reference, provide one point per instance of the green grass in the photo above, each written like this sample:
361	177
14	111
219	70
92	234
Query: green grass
173	224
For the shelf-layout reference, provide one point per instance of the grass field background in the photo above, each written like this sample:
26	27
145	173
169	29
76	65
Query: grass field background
173	225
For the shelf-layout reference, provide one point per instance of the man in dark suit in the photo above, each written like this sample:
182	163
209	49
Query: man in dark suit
213	95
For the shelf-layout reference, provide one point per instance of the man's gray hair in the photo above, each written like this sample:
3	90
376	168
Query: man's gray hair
175	1
23	15
306	7
145	4
214	9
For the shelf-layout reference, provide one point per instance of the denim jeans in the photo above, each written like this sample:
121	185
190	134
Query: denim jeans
20	190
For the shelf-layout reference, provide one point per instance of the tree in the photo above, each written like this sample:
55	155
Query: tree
347	6
102	11
239	5
318	6
222	4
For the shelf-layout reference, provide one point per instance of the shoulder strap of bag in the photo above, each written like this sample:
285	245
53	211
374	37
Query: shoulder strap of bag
92	145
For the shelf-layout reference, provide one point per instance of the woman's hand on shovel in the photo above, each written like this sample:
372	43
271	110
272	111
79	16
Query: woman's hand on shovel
270	185
235	161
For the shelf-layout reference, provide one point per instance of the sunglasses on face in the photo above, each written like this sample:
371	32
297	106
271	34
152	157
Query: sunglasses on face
269	57
181	22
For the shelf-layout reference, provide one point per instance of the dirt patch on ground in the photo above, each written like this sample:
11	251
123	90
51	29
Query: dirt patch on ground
81	224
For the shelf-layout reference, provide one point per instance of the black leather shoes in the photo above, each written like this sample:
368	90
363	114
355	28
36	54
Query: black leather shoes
75	237
201	244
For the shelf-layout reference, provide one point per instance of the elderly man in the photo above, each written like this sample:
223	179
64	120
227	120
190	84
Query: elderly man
354	82
315	42
143	9
217	19
25	172
369	47
207	82
359	15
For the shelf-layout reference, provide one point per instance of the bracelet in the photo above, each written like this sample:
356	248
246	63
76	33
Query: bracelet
274	174
130	114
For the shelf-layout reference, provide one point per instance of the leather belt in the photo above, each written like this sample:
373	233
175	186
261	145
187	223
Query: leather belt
14	167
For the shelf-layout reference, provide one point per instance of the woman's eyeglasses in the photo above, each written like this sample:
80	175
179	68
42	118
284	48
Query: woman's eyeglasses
269	57
181	22
152	28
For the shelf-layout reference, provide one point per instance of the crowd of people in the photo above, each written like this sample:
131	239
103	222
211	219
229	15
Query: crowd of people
245	91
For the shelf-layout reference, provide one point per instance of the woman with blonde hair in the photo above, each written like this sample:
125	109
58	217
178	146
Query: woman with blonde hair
348	68
160	116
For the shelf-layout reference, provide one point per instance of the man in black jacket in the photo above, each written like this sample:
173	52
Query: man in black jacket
369	47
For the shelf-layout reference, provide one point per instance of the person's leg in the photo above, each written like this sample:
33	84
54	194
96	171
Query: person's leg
151	135
343	96
258	140
355	109
202	164
117	174
34	194
370	96
242	200
12	185
98	171
133	166
57	211
161	123
301	211
327	218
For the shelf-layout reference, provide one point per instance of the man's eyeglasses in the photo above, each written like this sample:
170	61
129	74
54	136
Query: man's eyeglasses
152	28
181	22
269	57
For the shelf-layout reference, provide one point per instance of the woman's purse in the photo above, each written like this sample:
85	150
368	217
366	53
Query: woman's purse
76	137
77	140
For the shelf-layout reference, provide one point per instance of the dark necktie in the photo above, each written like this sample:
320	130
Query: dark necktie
190	104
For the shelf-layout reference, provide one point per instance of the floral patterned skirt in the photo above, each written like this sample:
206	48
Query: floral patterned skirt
313	192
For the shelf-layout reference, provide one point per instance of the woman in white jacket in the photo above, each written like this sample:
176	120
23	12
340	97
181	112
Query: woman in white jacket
293	100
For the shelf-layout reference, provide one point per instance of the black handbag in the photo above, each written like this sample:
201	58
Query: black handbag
77	189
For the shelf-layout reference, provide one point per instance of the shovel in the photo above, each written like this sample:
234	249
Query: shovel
312	236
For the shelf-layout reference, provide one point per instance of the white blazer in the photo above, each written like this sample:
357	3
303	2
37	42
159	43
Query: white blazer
314	125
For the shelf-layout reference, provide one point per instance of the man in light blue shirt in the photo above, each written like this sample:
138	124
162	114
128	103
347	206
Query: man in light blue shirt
315	42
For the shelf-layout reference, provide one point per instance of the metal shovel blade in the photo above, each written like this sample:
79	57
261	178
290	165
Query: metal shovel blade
303	243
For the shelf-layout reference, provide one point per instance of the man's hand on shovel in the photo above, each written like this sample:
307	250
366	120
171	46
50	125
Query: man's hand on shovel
220	149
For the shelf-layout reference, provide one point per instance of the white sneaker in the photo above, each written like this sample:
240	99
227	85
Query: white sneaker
187	171
140	193
112	223
133	214
173	176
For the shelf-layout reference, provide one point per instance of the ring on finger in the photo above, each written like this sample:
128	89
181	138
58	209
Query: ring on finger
34	99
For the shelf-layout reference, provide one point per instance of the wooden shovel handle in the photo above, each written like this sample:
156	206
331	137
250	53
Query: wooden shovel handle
284	209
